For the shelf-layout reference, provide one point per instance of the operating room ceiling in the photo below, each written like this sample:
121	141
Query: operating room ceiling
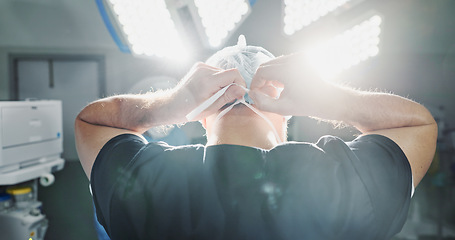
417	51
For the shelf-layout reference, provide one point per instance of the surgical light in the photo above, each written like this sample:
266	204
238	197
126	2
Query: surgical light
347	49
219	18
148	27
301	13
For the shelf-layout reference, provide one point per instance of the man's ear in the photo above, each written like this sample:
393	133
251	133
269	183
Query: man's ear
204	123
285	126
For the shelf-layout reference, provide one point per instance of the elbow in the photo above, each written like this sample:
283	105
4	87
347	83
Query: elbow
432	138
82	115
87	113
100	112
433	128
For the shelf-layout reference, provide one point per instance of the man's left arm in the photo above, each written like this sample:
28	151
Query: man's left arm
106	118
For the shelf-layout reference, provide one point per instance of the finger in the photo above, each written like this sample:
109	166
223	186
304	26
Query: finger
275	73
270	90
232	93
239	79
259	79
266	103
276	84
226	77
278	60
258	82
200	70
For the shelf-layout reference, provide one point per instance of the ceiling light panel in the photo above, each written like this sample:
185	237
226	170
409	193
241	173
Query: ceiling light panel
301	13
220	18
347	49
148	27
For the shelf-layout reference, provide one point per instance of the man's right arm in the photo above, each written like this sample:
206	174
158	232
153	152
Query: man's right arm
106	118
409	124
404	121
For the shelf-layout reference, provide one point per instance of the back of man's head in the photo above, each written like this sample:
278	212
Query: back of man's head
246	125
245	58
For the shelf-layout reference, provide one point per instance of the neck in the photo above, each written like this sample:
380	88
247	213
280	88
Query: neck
242	130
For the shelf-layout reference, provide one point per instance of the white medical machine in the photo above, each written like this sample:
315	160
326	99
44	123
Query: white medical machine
30	151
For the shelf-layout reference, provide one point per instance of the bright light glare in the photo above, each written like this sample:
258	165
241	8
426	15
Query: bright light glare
220	17
347	49
301	13
149	28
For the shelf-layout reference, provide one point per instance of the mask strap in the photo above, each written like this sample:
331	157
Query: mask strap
226	110
222	113
266	119
203	106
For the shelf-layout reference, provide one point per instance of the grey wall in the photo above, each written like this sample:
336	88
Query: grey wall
51	24
416	59
68	27
48	26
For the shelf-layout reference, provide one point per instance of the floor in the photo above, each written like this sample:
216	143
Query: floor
68	205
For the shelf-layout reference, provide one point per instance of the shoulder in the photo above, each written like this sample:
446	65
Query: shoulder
380	152
373	157
368	148
370	170
126	153
128	171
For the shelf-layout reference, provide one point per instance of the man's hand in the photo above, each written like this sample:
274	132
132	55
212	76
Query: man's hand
406	122
106	118
143	111
303	93
202	82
